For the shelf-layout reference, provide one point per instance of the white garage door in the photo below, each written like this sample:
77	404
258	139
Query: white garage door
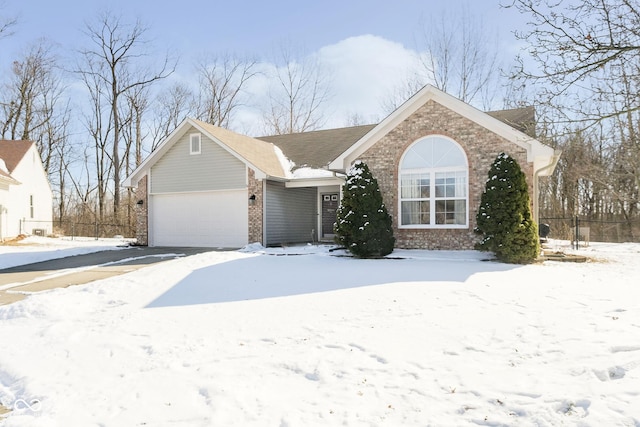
212	219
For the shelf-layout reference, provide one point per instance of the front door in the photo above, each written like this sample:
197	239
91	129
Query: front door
329	207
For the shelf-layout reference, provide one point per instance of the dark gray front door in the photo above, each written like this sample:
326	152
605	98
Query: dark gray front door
329	206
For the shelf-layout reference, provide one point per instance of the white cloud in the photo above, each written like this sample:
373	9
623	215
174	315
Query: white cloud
364	71
361	72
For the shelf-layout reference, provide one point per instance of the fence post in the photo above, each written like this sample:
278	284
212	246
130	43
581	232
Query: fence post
577	232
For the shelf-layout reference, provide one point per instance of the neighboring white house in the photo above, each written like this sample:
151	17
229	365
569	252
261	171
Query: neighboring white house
26	201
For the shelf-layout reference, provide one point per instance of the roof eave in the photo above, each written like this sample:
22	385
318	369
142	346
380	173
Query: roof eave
533	147
314	182
155	155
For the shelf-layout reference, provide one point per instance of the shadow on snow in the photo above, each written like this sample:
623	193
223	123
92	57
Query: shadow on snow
265	276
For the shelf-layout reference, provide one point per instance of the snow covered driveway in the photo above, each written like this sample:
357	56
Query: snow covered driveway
308	338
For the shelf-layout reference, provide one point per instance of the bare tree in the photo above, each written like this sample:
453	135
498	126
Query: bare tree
24	100
221	82
298	93
120	49
137	103
461	57
583	60
574	44
458	55
99	125
34	104
171	107
6	23
133	135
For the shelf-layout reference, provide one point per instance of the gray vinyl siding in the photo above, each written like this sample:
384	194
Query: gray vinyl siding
290	214
213	169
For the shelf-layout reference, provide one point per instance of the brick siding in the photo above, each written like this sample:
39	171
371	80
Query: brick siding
481	147
142	213
256	209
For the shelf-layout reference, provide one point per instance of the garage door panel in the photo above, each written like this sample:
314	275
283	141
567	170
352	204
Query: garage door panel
212	219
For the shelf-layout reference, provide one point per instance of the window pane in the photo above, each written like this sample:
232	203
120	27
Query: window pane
433	152
452	212
461	184
440	185
414	186
460	212
451	184
415	213
195	143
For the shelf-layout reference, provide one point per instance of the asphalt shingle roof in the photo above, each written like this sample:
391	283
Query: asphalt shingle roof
259	153
522	119
316	149
13	151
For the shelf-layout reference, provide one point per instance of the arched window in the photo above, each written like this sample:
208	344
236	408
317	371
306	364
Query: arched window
434	185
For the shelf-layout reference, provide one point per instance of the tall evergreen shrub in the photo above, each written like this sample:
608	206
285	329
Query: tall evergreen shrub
504	218
363	225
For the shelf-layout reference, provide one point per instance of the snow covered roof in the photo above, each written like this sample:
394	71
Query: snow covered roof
316	149
260	154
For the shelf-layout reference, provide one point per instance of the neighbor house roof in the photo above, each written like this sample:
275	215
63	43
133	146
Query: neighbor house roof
316	149
12	152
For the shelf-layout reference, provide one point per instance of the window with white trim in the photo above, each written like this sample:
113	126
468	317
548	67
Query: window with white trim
195	143
434	184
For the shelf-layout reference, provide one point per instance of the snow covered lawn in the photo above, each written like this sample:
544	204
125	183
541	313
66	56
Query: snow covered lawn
301	337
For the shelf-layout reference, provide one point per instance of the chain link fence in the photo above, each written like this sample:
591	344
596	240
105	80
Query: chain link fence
73	229
585	230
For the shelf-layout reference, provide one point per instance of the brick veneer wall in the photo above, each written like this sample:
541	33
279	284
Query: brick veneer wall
142	213
255	210
481	147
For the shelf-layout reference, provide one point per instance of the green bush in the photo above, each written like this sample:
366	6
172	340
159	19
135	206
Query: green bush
504	218
363	225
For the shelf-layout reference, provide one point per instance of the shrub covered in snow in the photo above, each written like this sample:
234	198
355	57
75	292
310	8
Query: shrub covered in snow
363	225
504	218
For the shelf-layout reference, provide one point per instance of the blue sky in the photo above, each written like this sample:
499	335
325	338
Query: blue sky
355	36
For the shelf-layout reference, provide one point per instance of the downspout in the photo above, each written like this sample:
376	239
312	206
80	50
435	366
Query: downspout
536	188
264	213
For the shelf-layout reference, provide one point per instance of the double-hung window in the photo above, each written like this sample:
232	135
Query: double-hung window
434	185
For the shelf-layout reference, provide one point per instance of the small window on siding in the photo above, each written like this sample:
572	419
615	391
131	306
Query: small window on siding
194	143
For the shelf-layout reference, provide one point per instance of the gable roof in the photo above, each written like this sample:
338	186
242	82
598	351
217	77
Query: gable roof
542	156
260	156
316	149
12	152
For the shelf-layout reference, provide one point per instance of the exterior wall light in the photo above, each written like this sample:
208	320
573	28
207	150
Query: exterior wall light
252	200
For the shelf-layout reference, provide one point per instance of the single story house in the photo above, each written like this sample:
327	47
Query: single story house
26	201
208	186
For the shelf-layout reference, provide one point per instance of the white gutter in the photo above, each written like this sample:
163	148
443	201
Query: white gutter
536	188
